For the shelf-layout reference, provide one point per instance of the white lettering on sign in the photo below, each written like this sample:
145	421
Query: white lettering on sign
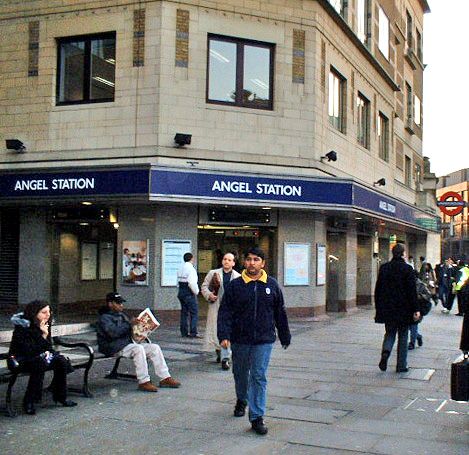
261	188
57	184
387	207
30	185
73	184
231	187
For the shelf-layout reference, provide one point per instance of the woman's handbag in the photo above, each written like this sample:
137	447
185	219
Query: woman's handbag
460	379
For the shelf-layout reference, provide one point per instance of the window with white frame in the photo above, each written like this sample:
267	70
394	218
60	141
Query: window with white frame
409	104
383	136
339	6
336	107
383	37
363	120
417	110
363	25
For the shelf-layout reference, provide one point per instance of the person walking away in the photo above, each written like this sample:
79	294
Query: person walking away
251	309
213	289
396	306
424	299
429	278
444	281
462	278
114	333
187	295
31	347
453	272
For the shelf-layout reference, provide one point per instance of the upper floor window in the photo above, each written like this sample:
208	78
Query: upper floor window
240	72
86	69
409	38
383	38
363	22
340	6
409	104
363	120
383	136
408	171
417	110
337	99
418	39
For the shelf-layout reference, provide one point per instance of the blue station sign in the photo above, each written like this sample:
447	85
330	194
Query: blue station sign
81	183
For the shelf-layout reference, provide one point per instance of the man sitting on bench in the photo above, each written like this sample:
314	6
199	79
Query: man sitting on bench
114	330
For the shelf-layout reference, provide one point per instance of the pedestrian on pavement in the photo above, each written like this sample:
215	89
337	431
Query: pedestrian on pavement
424	300
187	295
443	274
396	306
114	332
251	309
461	279
411	262
31	347
213	289
429	278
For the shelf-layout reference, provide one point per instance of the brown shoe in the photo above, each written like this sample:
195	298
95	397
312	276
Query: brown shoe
148	387
170	382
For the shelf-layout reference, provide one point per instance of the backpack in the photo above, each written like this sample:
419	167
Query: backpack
424	297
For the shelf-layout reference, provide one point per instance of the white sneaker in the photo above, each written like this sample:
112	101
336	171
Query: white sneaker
445	310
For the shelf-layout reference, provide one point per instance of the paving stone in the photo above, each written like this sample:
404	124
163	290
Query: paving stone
306	414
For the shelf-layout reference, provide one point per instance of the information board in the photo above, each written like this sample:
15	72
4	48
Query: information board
296	264
172	252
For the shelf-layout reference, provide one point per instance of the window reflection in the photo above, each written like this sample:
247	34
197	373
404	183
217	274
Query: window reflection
102	69
71	78
239	72
222	74
256	81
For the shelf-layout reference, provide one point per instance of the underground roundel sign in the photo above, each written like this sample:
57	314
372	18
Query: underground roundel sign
451	203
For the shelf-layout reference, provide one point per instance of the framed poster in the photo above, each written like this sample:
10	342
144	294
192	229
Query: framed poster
296	264
89	261
321	264
135	262
172	252
106	260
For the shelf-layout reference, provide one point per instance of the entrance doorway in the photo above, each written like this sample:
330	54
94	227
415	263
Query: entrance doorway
83	262
214	241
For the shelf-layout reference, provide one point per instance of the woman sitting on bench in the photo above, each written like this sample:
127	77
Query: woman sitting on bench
31	346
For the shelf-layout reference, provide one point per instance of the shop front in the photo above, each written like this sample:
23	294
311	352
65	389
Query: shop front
81	234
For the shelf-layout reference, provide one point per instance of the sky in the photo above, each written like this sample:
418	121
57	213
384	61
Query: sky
446	90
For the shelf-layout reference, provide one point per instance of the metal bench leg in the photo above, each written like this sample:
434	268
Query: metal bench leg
11	412
114	374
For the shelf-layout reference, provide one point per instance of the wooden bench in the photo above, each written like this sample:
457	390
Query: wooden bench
82	362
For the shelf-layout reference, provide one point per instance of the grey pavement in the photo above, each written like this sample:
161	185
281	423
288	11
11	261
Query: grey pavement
326	395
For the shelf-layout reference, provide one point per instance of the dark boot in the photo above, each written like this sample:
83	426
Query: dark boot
28	407
240	408
259	426
383	363
218	352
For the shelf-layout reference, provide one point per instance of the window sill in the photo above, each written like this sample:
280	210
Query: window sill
73	106
250	110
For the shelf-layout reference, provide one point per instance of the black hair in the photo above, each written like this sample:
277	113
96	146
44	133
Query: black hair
255	251
398	250
32	309
187	257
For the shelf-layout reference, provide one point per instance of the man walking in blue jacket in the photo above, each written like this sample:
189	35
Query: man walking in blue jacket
251	309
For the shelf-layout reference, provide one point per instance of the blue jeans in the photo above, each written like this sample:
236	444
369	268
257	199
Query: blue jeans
402	332
414	333
443	292
250	363
189	310
225	353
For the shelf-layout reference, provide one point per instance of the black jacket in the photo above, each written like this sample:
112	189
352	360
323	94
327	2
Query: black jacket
395	293
464	346
27	341
113	330
250	312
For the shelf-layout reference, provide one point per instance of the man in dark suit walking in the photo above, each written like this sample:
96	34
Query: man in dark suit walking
396	306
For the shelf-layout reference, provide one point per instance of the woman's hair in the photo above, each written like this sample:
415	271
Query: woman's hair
428	267
32	309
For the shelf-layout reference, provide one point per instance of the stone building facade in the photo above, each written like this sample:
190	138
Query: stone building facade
298	126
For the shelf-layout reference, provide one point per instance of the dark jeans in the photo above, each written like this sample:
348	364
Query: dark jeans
414	333
449	303
443	294
189	310
36	368
402	332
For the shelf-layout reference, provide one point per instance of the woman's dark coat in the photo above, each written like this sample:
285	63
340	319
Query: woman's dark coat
27	342
395	293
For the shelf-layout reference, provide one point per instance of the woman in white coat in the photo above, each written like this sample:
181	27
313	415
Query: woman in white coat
212	290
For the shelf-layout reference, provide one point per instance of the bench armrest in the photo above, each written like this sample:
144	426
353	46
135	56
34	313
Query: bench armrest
85	346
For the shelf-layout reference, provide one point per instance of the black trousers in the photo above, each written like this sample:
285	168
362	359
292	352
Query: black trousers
36	368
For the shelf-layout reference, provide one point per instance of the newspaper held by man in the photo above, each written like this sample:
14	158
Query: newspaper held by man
143	325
